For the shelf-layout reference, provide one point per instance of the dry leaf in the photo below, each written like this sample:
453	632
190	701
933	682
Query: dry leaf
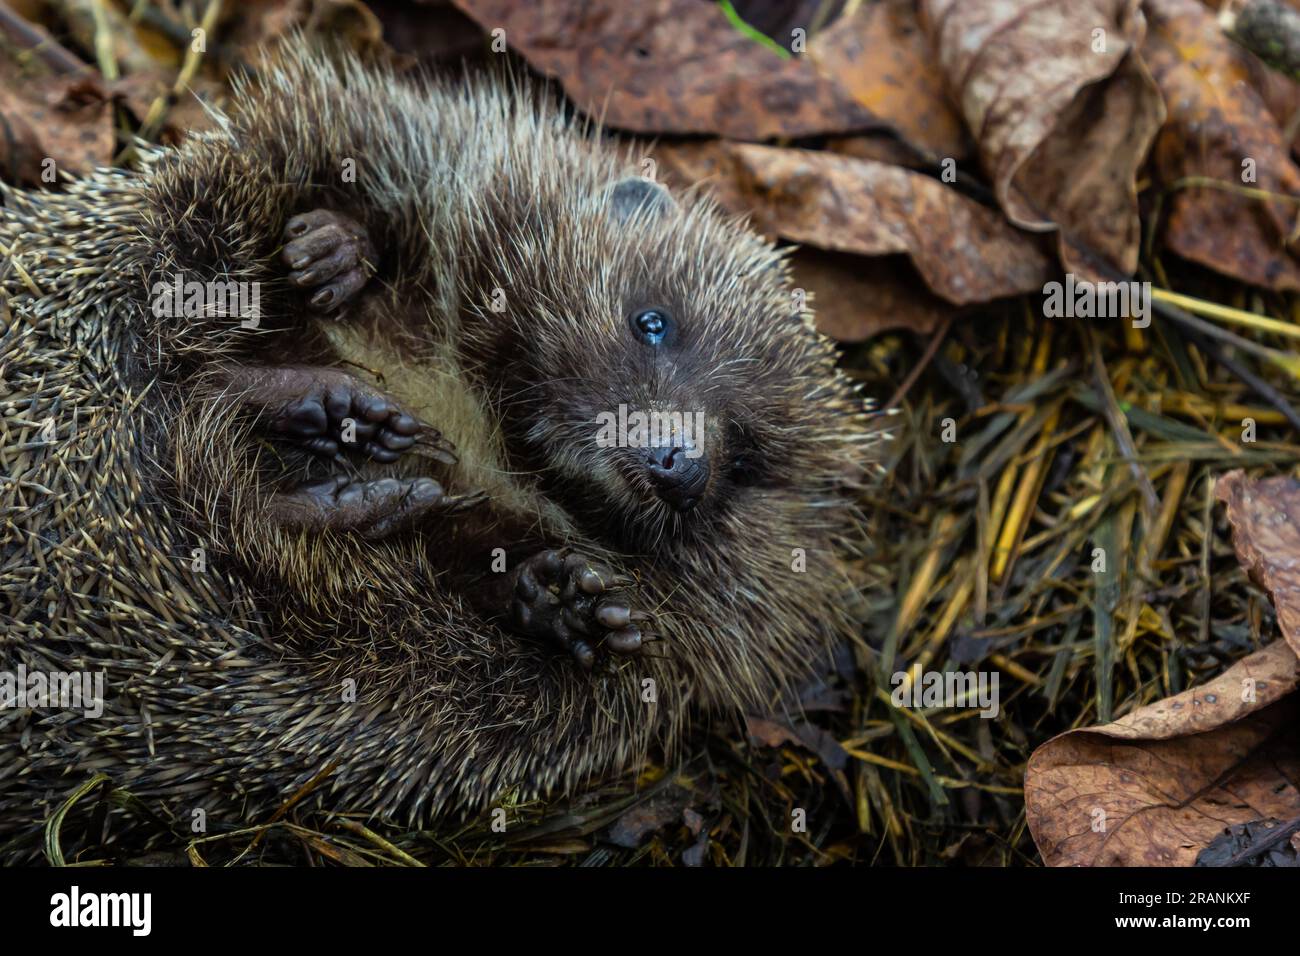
854	299
632	828
965	252
882	147
21	154
1220	127
63	118
672	66
1061	128
1158	786
1265	533
775	733
883	58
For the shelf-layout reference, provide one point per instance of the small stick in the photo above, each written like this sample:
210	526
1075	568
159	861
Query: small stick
189	67
917	369
33	40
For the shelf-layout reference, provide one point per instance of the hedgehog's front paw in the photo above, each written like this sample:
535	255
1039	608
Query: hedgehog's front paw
372	509
578	603
329	252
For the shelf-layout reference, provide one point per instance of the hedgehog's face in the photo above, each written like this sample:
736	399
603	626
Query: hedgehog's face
679	385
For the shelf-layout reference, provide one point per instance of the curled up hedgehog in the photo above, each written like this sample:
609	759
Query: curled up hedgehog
330	443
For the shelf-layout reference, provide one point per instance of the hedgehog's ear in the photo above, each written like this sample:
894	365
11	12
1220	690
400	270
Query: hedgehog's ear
636	194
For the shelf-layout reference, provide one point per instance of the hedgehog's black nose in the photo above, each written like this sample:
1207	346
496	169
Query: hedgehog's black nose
678	473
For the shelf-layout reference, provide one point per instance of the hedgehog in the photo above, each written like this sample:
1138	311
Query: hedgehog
400	446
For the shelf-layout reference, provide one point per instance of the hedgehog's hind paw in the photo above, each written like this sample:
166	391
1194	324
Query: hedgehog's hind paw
327	411
576	602
340	413
372	509
329	255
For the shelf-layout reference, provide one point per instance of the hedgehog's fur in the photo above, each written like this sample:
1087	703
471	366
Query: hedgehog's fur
224	686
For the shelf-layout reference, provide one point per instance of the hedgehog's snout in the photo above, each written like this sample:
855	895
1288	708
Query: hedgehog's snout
679	472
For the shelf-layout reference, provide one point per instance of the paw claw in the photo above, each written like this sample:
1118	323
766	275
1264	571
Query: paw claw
614	616
626	641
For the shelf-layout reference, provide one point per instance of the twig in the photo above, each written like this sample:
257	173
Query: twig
920	366
158	110
34	40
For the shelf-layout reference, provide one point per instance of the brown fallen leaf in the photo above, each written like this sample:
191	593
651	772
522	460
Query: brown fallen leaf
1220	127
1159	785
67	119
1280	93
778	733
770	733
965	252
672	66
880	54
632	828
1266	536
21	154
1063	112
854	299
882	147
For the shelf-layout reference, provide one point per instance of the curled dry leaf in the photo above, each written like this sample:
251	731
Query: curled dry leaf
1063	112
672	66
1266	535
1158	786
965	252
881	147
1220	127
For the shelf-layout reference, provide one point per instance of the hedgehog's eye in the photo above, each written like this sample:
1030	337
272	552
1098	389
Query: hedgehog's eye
652	326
